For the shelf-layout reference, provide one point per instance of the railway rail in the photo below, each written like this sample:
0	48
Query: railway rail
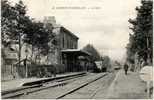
66	90
74	83
35	86
81	86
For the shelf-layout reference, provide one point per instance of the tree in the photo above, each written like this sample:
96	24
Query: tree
21	24
39	36
20	28
8	14
90	49
140	41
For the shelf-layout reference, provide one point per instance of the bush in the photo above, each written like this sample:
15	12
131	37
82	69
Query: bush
45	70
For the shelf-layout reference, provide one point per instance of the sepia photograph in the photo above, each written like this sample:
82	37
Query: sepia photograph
76	49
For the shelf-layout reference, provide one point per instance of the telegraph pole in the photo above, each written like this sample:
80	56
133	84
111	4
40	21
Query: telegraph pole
148	51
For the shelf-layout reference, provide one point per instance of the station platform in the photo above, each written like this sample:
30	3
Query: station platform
127	86
12	84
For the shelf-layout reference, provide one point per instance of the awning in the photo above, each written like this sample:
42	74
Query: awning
76	52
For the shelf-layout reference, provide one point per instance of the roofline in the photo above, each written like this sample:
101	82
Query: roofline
76	50
69	32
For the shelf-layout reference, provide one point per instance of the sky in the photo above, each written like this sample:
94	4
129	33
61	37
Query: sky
102	23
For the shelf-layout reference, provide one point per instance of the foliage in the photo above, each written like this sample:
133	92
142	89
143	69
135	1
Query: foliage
39	36
8	15
141	39
14	21
18	27
90	49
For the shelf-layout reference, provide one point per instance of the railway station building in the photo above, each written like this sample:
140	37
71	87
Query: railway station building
67	52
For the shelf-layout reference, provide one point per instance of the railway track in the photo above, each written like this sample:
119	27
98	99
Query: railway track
80	86
38	86
67	85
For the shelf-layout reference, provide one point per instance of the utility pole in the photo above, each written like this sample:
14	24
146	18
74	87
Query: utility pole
25	62
148	51
19	52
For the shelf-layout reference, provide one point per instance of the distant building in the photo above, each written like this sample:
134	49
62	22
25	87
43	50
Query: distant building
8	58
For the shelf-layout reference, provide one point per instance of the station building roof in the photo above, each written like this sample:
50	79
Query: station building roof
69	32
76	51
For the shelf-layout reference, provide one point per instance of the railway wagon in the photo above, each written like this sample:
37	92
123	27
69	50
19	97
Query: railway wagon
101	66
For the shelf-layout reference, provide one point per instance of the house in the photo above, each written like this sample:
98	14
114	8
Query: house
9	57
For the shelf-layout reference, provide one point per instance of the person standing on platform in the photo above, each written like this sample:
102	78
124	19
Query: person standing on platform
125	68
